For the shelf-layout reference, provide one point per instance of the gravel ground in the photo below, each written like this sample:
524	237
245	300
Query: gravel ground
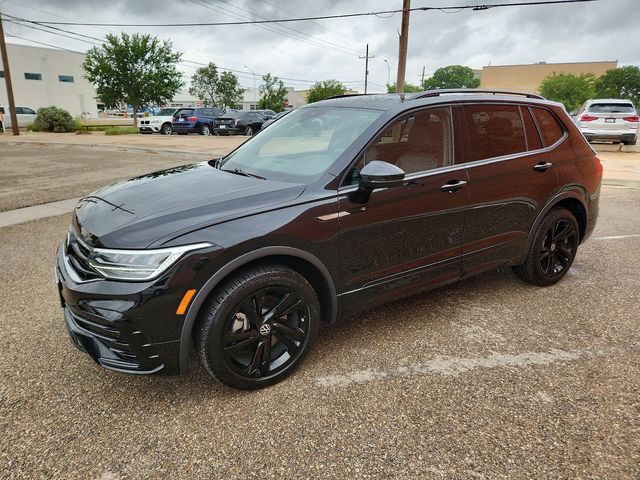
488	378
35	174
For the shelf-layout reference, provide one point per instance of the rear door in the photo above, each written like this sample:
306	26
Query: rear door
25	116
511	178
408	238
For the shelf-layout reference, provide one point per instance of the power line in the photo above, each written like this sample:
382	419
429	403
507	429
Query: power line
478	7
43	43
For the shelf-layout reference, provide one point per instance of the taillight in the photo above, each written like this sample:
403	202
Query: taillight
193	119
634	119
588	118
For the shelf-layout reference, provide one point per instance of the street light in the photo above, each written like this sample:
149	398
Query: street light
255	97
388	72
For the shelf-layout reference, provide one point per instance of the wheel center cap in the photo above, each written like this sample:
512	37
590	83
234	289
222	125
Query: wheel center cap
265	329
553	247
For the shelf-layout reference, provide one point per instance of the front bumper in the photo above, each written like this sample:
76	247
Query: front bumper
128	327
149	128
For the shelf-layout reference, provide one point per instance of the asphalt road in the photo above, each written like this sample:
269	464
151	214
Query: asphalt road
489	378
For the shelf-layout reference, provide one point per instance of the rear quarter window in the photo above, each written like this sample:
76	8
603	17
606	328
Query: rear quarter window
550	129
493	131
534	142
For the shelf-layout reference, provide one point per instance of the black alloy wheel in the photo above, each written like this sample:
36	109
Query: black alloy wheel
166	129
552	250
258	327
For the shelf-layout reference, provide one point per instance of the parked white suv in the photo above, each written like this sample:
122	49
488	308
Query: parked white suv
25	116
609	120
160	123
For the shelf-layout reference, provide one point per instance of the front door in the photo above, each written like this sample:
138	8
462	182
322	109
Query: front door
404	239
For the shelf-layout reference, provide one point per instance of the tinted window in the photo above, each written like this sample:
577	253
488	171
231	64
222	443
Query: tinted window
166	112
416	143
33	76
612	108
493	131
65	78
25	111
549	128
187	112
533	136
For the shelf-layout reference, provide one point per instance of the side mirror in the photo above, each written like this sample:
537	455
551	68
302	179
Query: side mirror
379	174
376	174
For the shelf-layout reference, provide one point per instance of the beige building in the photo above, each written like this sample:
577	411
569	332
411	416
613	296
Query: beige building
527	78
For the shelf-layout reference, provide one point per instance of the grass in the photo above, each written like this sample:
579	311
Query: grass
120	131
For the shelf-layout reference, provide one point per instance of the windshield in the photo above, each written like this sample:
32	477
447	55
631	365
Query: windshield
611	108
302	145
166	112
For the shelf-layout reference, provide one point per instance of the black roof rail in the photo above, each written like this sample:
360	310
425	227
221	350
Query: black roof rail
445	91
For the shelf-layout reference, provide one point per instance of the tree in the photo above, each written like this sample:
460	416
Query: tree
272	94
325	89
204	84
408	88
452	76
620	83
134	70
228	91
570	89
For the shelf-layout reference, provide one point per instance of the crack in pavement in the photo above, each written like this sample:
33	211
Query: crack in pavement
451	366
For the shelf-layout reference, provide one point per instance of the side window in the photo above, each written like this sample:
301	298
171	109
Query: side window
549	128
493	131
419	142
533	136
28	111
19	110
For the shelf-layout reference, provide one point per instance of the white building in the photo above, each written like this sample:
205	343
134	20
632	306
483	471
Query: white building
44	77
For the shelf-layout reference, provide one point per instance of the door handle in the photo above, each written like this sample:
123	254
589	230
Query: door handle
453	186
542	166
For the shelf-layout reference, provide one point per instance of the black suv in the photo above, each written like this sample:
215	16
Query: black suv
246	122
339	206
195	120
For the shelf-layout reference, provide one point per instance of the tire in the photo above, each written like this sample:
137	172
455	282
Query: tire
241	337
248	131
205	130
166	129
552	250
630	142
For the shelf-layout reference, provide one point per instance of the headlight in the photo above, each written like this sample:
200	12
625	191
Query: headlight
137	264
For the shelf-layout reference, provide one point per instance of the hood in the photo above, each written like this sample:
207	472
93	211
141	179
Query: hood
159	206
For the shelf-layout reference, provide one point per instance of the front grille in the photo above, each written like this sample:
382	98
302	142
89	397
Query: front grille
78	255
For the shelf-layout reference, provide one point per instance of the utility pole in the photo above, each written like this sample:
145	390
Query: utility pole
404	42
7	78
422	78
366	67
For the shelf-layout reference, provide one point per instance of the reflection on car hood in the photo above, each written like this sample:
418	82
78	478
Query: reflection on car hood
137	212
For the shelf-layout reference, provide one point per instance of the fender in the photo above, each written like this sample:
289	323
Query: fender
550	204
236	263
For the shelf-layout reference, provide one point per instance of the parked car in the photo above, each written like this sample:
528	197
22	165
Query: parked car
609	120
159	123
248	256
277	117
247	122
25	116
267	113
195	120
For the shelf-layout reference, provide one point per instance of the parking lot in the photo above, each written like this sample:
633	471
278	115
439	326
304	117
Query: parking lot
488	378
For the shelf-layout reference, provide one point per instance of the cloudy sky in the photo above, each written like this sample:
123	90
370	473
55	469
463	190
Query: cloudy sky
302	52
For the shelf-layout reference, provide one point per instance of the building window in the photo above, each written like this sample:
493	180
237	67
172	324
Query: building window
65	78
33	76
1	73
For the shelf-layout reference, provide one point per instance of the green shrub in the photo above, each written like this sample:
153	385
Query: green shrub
32	128
53	119
120	131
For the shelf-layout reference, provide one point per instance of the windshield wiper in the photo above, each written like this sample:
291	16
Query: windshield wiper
238	171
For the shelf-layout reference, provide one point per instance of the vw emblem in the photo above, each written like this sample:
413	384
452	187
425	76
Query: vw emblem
265	329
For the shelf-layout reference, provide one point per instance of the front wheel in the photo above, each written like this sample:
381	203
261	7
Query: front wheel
166	129
552	250
248	131
257	327
205	130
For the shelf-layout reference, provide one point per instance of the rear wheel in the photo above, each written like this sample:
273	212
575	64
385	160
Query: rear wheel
205	130
553	249
258	326
166	129
248	131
